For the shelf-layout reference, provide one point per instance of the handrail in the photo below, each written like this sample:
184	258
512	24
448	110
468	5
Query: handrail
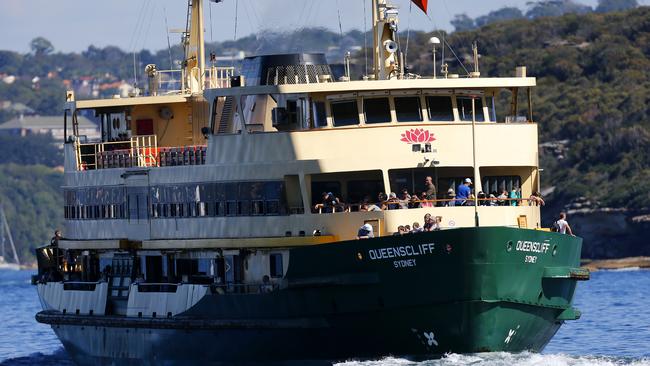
385	205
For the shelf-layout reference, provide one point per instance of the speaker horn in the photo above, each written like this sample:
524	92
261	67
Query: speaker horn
390	46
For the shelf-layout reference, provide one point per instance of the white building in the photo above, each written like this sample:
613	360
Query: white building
53	125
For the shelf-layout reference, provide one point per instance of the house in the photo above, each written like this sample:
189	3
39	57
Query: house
53	125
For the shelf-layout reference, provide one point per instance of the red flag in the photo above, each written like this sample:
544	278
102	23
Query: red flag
422	4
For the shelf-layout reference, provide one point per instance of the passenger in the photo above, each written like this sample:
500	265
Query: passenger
471	201
266	285
515	196
414	202
382	201
463	192
428	222
429	188
363	207
437	222
451	195
404	200
503	197
481	198
54	243
373	208
393	203
425	202
492	200
365	232
416	228
400	231
536	199
407	229
562	225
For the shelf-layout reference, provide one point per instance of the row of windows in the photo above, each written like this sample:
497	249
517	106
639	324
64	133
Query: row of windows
407	109
181	200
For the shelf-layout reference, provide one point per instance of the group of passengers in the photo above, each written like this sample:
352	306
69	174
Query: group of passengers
462	196
430	224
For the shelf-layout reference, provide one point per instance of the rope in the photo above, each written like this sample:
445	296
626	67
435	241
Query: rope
169	45
338	10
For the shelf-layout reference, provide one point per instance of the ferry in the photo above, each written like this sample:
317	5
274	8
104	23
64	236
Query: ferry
261	215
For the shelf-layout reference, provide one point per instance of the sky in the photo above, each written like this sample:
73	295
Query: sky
73	25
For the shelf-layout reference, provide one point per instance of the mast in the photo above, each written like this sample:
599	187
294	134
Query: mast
8	232
386	63
194	45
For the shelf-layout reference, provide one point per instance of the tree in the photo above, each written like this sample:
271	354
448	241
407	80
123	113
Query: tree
41	46
505	13
555	8
605	6
462	22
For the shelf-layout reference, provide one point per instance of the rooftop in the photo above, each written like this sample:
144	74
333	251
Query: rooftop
43	122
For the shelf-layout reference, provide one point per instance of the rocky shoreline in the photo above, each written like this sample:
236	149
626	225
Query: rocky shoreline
620	263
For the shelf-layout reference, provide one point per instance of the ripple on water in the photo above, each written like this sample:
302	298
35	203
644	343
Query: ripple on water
613	329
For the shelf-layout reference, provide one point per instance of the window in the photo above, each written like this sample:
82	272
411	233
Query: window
465	108
440	108
497	184
320	117
408	109
345	113
276	265
376	110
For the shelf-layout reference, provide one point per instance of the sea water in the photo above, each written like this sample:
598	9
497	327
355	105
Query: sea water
614	328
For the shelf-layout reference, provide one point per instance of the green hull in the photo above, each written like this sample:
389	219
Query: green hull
463	290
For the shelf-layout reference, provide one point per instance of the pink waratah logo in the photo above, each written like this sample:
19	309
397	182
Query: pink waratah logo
417	135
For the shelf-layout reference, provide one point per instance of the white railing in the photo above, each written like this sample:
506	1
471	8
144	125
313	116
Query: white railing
177	82
138	151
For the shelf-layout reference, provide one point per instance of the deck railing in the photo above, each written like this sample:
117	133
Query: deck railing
177	82
138	151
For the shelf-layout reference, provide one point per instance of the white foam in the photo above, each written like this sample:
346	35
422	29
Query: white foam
507	359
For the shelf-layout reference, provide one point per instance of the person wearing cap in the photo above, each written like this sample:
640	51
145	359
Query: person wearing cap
463	192
365	232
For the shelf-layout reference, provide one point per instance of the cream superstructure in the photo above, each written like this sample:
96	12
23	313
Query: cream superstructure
233	167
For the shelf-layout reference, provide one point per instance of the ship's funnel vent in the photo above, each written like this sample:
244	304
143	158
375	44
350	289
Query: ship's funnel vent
297	68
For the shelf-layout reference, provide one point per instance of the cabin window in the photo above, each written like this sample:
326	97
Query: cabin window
276	265
362	190
376	110
440	108
319	115
465	109
408	109
345	113
497	184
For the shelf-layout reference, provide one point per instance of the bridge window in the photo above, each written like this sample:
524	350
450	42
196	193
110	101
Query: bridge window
408	109
440	108
465	109
345	113
376	110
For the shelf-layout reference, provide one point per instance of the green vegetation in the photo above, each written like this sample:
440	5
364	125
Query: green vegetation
593	90
32	200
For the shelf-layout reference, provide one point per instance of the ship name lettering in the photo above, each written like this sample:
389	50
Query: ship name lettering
532	246
401	251
402	263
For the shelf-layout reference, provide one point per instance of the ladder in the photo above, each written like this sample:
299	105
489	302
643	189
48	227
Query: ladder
226	114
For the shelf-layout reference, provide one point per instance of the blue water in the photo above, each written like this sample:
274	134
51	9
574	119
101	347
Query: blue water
614	328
